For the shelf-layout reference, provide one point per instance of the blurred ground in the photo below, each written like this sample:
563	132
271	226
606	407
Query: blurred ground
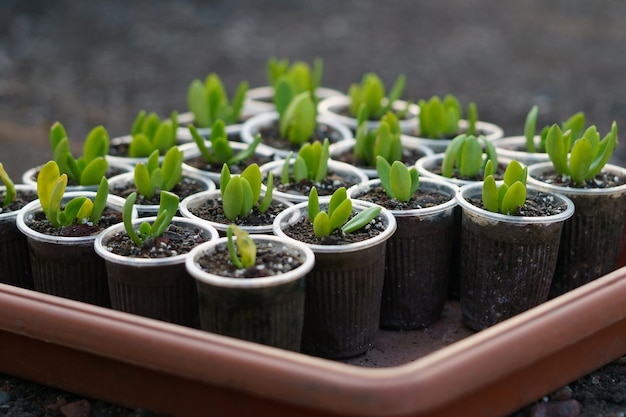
92	63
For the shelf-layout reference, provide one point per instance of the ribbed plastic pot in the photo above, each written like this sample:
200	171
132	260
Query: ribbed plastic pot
14	256
267	310
507	262
591	238
419	258
489	130
67	266
336	107
187	204
336	131
158	288
344	289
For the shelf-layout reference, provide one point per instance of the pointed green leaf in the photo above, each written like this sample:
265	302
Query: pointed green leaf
46	179
9	193
168	206
340	214
267	197
246	247
94	171
127	218
252	174
451	155
198	103
140	146
361	219
232	251
384	173
490	194
514	198
99	203
164	138
199	141
400	181
97	144
143	181
232	198
313	206
580	160
57	133
471	158
299	171
336	199
321	224
530	127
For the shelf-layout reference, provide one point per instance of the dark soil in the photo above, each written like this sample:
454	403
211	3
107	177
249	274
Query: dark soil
40	224
271	136
185	187
421	199
325	187
498	175
540	204
21	199
213	210
409	157
200	163
175	240
271	259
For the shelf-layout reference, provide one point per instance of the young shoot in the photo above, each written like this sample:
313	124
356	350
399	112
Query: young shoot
9	187
87	169
383	141
50	189
588	154
149	133
297	114
439	119
338	213
209	102
575	123
299	75
221	152
311	163
397	179
510	196
241	193
242	250
370	96
465	154
152	176
168	205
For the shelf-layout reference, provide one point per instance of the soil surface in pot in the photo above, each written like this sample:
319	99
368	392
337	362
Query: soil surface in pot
272	258
409	157
602	180
185	187
200	163
175	240
498	175
21	199
40	224
421	199
541	204
303	232
271	136
213	210
325	187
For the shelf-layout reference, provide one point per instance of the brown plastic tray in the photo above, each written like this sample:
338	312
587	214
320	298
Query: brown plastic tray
446	370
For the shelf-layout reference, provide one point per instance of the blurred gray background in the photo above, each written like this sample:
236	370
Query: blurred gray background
100	62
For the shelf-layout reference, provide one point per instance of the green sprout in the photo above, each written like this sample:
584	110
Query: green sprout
575	123
10	193
168	206
383	141
241	193
299	75
297	114
588	154
150	133
150	176
465	153
87	169
510	196
397	179
244	254
311	163
370	95
339	211
51	186
209	102
439	119
221	151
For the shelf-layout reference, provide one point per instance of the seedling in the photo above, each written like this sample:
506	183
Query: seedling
150	176
311	163
465	153
439	119
9	187
243	250
588	156
576	123
370	95
241	193
297	114
221	151
339	211
51	185
87	169
209	102
397	179
510	196
168	206
149	133
299	75
383	141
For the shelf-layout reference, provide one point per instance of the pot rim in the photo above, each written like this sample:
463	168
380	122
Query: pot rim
297	210
434	183
571	191
493	132
207	248
503	148
29	173
424	171
183	207
101	240
113	201
13	214
475	189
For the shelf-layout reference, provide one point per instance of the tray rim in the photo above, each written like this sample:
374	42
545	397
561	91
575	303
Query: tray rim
433	382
